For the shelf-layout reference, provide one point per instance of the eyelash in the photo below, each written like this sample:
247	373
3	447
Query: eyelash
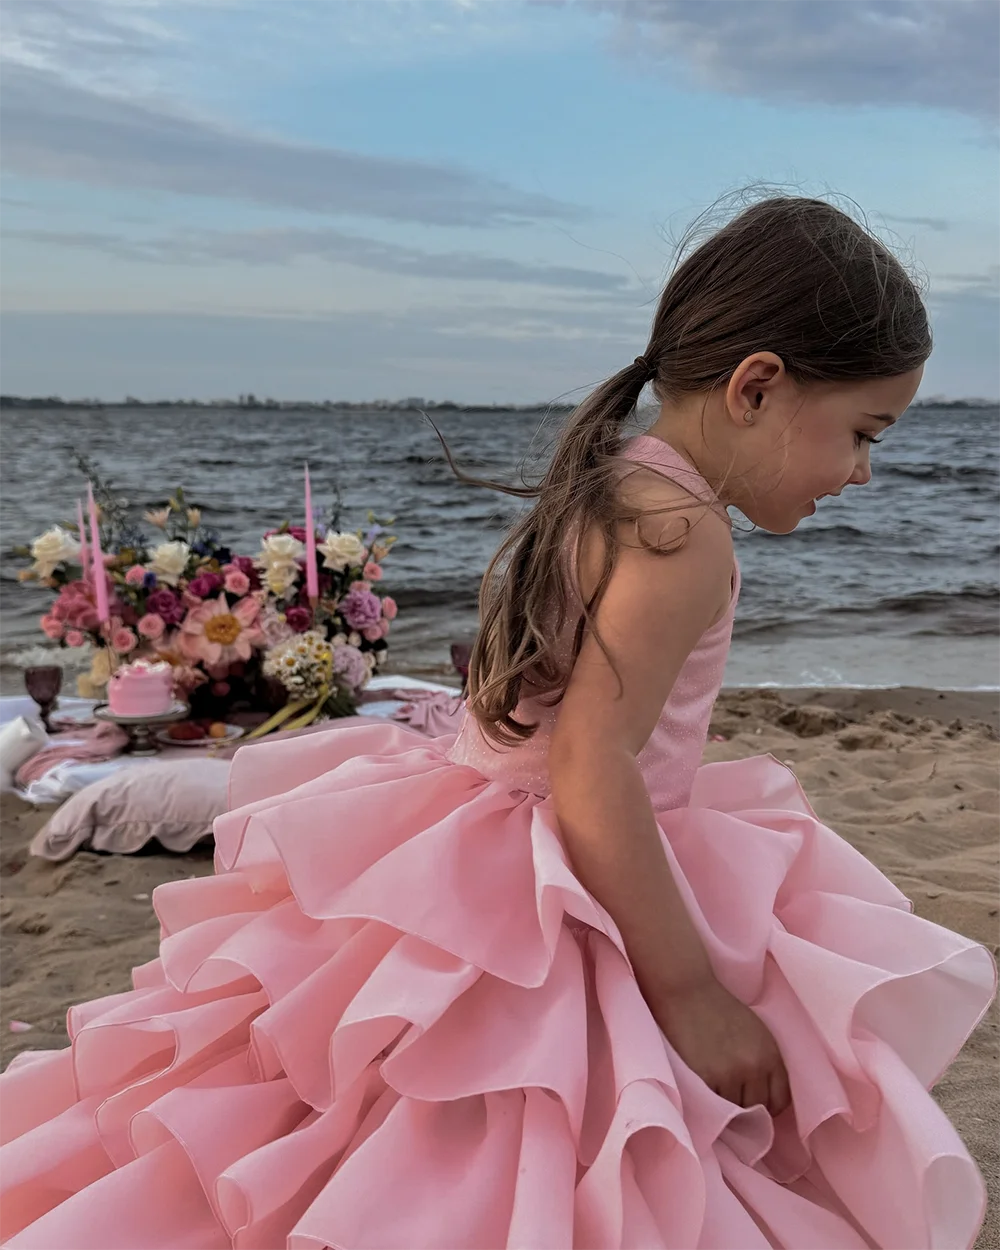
867	438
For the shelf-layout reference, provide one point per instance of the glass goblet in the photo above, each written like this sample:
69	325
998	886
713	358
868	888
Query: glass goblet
43	683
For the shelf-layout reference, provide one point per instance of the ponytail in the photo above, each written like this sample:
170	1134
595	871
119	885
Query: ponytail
525	595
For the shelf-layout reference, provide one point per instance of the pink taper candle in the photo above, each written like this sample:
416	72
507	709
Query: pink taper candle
97	556
84	550
312	573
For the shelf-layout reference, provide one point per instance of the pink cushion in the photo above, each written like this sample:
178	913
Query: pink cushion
174	801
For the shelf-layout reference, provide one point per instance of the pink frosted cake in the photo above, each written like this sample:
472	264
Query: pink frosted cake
141	689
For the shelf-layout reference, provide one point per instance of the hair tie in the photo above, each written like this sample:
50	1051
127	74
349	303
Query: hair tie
648	369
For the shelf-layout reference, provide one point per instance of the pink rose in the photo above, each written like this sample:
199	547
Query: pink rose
389	608
384	626
52	626
359	586
220	689
372	572
136	576
152	626
372	632
75	639
123	640
237	583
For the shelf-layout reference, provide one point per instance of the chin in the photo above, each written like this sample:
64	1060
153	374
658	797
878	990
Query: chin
776	525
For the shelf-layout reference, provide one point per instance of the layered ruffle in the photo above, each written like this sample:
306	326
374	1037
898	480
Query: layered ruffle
395	1019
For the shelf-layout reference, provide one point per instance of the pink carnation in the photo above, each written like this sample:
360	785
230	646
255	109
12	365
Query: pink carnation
152	626
123	640
216	634
74	638
136	576
372	572
52	626
237	583
75	606
389	608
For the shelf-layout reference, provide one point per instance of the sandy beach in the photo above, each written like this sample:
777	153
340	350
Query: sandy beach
909	777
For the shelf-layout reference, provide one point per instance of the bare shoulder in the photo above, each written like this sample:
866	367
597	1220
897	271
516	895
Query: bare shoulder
674	540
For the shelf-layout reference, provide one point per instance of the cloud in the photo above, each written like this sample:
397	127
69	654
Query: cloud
465	354
938	224
286	245
492	356
983	284
56	129
934	53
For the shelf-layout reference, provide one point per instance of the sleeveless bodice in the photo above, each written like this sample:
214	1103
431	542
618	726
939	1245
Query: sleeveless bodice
673	753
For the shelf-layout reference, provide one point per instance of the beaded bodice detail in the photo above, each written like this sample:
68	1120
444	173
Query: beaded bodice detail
673	753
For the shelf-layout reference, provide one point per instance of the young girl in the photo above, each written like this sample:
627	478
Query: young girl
550	983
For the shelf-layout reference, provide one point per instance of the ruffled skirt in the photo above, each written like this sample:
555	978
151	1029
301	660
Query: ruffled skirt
394	1018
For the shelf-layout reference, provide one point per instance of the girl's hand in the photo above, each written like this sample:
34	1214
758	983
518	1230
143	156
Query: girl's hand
727	1045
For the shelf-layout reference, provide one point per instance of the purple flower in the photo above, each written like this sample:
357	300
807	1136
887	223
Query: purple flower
205	585
349	667
149	581
166	605
298	619
360	608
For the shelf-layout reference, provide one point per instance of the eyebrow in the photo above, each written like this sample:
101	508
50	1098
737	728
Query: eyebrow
887	417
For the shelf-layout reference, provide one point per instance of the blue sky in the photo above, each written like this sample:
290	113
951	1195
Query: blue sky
463	199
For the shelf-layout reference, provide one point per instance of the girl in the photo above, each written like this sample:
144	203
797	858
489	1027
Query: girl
549	983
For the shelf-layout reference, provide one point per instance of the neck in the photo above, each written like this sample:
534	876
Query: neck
692	428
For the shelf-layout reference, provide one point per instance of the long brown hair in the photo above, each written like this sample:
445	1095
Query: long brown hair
789	275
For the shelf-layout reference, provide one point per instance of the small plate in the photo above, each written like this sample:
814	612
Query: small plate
233	732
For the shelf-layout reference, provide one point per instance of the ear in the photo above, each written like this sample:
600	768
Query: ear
754	382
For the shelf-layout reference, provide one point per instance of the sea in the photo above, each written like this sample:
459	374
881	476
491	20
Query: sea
895	583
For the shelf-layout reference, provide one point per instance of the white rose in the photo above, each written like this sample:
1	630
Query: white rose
169	561
280	577
53	547
341	550
280	549
278	559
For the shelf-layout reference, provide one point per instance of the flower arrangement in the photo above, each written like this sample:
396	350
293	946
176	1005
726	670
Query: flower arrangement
223	620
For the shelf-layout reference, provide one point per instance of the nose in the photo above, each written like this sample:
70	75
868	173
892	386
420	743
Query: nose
862	474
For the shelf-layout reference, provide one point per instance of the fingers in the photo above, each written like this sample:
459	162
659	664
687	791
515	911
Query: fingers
779	1094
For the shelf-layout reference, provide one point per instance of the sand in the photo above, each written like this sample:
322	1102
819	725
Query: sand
909	777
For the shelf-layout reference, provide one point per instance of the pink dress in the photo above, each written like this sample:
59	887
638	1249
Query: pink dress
394	1018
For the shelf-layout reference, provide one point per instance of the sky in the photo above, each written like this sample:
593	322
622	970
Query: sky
474	200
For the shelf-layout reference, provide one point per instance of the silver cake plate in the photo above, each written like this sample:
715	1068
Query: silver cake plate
140	729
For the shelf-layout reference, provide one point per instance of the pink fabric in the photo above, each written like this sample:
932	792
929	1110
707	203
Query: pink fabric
671	757
92	744
430	712
394	1018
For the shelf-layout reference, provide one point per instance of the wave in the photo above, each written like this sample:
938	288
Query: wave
940	472
458	596
813	534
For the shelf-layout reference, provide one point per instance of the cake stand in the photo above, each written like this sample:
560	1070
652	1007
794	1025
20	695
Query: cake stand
140	728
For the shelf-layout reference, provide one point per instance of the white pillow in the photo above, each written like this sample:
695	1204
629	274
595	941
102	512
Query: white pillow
20	739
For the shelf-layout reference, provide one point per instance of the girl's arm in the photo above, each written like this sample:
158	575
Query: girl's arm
653	612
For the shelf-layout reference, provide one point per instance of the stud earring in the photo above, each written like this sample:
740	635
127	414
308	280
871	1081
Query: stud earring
748	418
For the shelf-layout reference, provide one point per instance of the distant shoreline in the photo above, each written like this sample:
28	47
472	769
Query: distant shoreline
17	402
251	403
